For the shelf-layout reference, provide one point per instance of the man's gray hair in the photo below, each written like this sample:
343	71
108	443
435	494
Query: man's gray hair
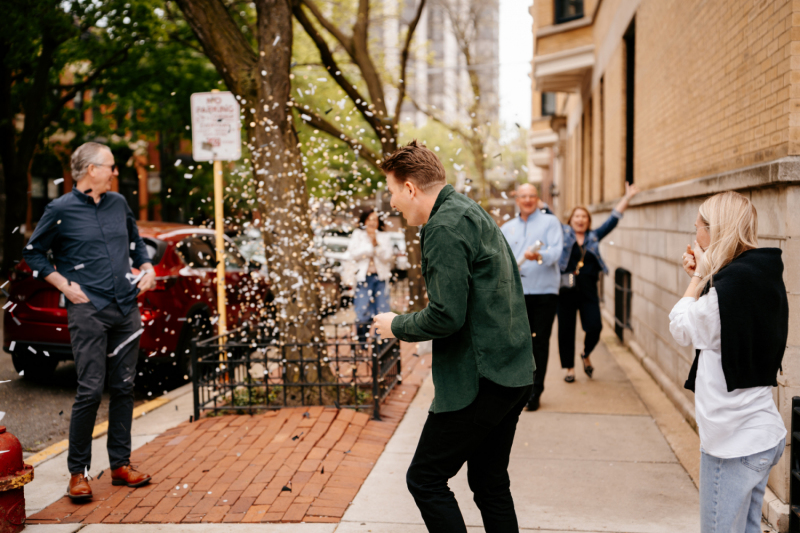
85	155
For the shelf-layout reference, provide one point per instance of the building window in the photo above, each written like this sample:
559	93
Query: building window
548	104
567	10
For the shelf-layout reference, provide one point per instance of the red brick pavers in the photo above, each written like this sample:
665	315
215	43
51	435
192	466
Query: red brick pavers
302	464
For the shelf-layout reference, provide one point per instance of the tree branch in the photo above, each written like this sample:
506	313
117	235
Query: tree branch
401	89
330	63
116	59
363	59
455	129
323	125
344	40
223	42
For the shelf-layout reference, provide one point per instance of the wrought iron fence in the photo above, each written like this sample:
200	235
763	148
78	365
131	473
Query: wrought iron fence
249	371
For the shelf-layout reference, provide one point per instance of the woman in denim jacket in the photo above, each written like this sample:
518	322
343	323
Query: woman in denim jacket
580	266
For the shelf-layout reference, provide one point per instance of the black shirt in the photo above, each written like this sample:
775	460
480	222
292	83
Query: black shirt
754	320
586	280
92	245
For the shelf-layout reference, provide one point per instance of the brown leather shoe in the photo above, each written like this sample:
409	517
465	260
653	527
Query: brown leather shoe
79	488
128	475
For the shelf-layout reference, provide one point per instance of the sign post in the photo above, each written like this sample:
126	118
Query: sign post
216	136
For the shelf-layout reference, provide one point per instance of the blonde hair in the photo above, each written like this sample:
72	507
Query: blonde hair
732	221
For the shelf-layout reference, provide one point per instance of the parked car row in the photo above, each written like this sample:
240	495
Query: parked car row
182	306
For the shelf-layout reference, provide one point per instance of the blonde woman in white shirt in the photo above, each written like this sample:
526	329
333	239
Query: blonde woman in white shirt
735	313
371	251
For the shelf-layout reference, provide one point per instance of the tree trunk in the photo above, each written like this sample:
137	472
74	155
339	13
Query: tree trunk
262	81
277	163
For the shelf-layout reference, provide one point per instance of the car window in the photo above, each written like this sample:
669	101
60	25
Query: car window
196	252
155	250
233	258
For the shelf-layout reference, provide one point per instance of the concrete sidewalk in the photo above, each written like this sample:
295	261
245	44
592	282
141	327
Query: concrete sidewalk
591	459
600	455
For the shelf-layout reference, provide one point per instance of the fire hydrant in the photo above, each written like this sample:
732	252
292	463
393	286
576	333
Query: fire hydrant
14	474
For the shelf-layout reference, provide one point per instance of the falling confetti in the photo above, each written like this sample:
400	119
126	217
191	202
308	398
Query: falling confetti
126	342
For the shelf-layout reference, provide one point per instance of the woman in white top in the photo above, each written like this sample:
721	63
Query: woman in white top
735	313
372	254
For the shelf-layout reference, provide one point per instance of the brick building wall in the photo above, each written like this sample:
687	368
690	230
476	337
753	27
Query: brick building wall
716	106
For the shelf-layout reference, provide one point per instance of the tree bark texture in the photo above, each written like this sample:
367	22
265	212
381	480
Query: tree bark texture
261	78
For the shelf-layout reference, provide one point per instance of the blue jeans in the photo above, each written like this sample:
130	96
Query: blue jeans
371	298
732	490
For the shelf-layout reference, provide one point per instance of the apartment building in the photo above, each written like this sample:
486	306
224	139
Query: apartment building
685	99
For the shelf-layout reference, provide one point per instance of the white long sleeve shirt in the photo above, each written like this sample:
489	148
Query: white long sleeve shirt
732	424
362	251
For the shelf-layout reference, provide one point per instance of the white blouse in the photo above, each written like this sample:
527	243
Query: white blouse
731	424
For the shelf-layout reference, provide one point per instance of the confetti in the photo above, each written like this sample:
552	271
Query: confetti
4	284
126	342
8	304
32	349
2	414
59	181
22	373
11	346
277	38
15	230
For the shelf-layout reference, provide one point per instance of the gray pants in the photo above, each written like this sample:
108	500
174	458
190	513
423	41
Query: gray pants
95	335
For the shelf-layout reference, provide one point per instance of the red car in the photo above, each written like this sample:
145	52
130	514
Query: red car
183	305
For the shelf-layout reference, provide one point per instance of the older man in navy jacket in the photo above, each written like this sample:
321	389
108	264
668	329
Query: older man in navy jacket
93	236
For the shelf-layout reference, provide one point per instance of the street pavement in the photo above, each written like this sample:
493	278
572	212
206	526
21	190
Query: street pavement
38	413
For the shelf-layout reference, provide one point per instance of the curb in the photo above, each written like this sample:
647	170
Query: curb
102	428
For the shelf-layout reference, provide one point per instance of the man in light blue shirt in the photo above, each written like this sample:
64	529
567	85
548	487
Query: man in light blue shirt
541	278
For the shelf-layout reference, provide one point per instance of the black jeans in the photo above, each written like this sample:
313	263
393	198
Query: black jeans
570	302
480	435
95	335
541	314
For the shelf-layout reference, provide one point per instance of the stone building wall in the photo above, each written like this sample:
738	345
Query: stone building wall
716	107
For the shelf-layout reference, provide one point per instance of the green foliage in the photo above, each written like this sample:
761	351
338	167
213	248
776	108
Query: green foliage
126	70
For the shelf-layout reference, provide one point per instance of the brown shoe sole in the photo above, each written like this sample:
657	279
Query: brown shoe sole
79	497
133	485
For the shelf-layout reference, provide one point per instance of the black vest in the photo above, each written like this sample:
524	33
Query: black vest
754	315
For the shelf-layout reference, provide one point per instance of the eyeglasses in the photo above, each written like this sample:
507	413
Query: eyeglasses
112	167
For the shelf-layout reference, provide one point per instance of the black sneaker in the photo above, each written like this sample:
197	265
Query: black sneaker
533	403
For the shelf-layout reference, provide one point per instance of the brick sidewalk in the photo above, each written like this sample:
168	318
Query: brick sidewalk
292	465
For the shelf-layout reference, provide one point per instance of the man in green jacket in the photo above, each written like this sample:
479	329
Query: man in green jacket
482	360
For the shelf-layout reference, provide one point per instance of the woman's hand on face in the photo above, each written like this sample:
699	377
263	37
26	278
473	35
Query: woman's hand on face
699	254
689	261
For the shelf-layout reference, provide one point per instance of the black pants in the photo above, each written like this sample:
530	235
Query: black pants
481	435
570	302
541	314
95	335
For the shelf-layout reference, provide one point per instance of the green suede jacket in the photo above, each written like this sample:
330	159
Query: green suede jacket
476	312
